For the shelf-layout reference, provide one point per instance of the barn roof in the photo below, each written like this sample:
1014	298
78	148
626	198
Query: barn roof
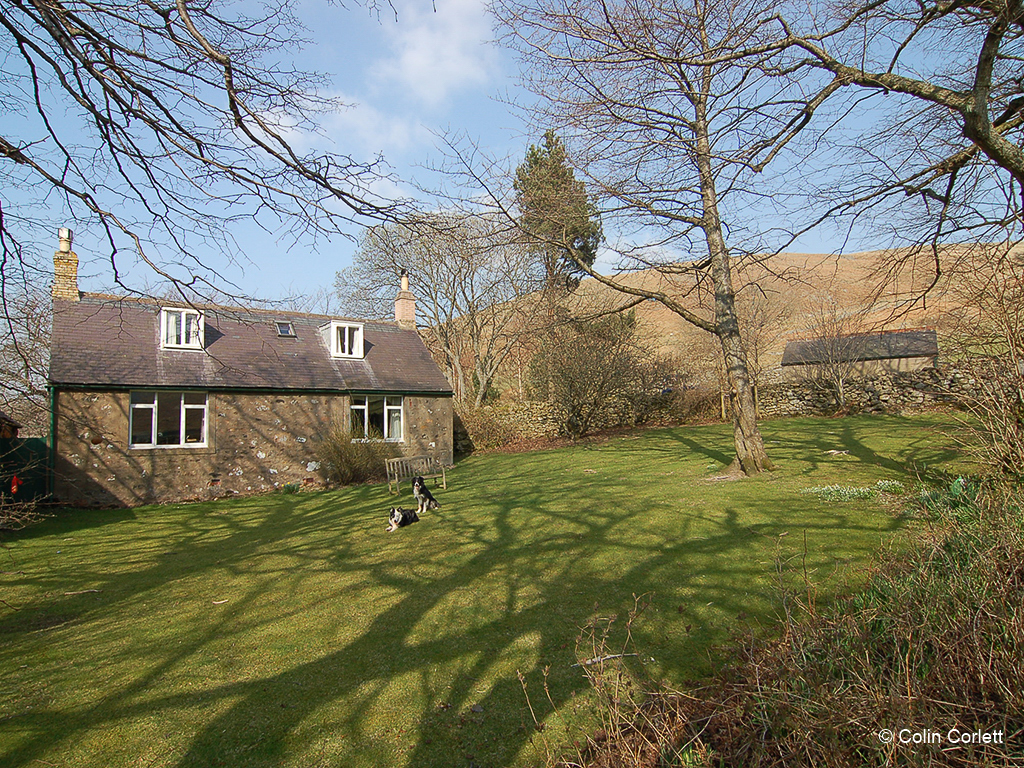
884	345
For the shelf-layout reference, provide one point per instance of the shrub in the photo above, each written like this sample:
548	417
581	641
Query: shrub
346	459
931	643
597	374
17	515
486	429
692	403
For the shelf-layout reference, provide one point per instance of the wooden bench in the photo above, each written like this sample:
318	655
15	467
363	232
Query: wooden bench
408	467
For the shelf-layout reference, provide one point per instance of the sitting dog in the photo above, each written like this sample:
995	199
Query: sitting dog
399	518
424	498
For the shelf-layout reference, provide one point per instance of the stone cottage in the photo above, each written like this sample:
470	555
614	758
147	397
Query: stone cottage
157	401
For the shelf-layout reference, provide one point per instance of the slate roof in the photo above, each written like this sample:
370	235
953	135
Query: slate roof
5	419
106	341
886	345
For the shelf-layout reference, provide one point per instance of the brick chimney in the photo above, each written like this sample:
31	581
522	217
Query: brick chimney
405	306
65	268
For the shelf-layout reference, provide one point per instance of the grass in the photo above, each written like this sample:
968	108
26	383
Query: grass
290	630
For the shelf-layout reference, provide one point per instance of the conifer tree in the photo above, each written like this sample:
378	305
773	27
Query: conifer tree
555	211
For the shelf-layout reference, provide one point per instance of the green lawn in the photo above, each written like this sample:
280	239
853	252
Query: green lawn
290	630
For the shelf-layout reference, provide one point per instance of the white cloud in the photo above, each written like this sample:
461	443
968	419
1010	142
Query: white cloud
365	131
435	53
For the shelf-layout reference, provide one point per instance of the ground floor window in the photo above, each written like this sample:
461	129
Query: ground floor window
171	419
376	417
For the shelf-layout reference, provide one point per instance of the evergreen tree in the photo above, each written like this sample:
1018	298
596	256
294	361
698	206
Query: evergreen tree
555	211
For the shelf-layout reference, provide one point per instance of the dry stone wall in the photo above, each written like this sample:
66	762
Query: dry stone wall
884	393
895	392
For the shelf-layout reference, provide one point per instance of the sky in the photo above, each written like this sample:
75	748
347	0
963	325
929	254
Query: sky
410	75
433	71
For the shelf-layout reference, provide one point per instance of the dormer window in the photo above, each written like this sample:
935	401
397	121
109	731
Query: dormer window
181	328
285	328
346	339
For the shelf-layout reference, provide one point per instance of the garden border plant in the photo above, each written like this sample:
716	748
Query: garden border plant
927	650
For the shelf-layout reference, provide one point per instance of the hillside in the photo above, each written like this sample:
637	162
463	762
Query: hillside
786	298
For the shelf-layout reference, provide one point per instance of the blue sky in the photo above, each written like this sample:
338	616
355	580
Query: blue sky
433	70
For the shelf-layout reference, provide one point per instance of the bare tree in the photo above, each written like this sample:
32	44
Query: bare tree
476	289
674	117
162	125
25	355
591	369
837	347
763	319
987	345
931	147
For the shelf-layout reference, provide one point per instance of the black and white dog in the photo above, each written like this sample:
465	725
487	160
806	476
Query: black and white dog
424	498
399	518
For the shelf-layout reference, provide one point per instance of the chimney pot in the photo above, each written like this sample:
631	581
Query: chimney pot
65	268
405	305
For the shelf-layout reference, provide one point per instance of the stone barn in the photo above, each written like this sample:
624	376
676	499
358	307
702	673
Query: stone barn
869	354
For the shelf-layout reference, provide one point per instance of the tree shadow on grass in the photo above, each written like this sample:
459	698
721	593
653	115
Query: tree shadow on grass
703	449
533	599
404	648
918	454
814	447
60	519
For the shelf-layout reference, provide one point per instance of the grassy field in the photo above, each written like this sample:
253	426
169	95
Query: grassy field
290	630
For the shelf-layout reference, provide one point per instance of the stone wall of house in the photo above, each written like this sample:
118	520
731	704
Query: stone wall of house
896	392
429	428
256	443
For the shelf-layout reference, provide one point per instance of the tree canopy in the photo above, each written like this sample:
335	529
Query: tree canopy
556	212
163	125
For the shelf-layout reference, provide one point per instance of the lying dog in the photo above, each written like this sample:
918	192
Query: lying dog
399	518
424	498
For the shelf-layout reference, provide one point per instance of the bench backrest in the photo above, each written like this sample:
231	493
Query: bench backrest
408	467
412	466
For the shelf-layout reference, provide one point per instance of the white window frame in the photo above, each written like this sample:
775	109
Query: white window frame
137	411
392	404
346	339
183	315
285	329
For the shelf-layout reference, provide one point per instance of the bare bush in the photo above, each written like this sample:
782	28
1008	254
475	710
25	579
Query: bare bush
347	458
597	373
486	430
17	515
988	346
694	403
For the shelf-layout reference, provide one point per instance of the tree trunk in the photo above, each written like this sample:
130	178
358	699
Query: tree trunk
751	456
